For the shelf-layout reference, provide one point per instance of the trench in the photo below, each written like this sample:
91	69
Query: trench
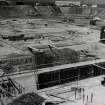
63	76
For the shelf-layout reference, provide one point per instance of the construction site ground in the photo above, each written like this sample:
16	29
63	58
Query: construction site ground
62	35
65	96
77	36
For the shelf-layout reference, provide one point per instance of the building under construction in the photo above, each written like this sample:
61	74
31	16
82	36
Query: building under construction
54	48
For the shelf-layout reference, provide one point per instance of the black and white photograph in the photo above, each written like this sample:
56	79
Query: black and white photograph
52	52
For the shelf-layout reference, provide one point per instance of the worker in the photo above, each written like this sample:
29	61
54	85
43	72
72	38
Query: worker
83	98
83	91
75	93
87	98
91	97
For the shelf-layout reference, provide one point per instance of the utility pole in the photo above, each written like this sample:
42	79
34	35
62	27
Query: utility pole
78	77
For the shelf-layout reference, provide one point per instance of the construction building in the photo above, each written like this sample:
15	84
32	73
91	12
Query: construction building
49	47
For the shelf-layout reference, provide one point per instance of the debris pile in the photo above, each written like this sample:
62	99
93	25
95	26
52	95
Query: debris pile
28	99
14	11
56	57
